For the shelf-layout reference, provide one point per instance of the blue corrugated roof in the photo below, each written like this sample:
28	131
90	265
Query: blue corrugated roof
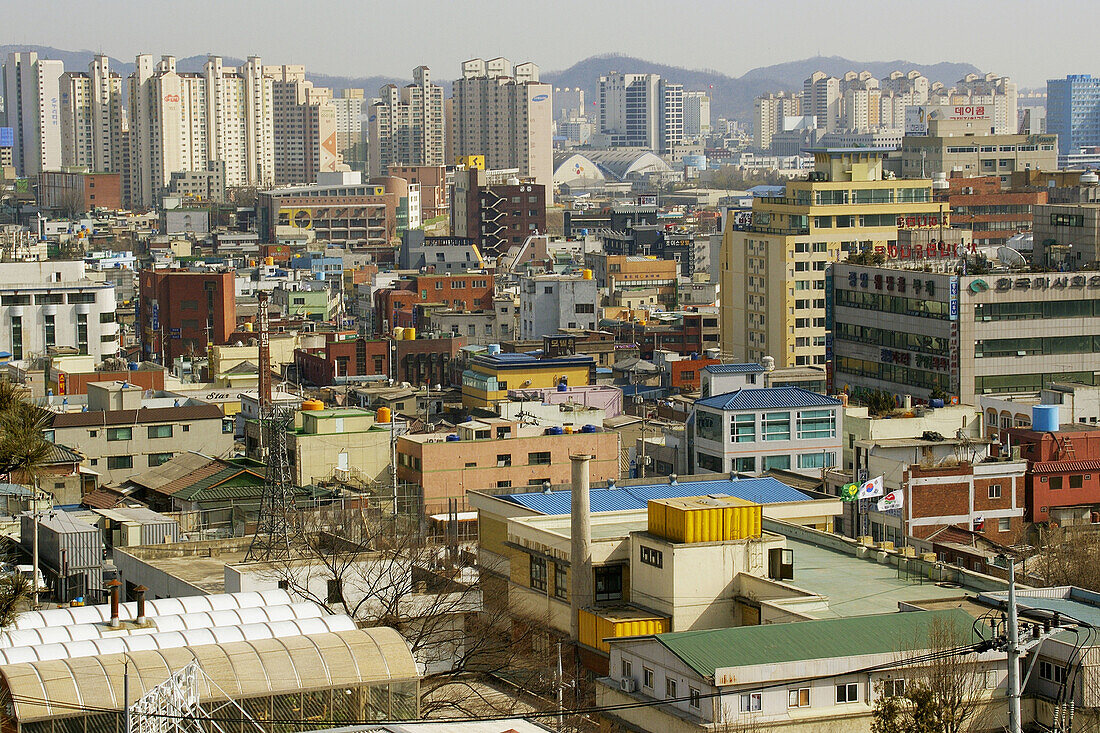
759	490
768	398
734	368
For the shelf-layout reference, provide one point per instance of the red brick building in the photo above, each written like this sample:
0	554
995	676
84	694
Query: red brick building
684	375
420	361
1063	481
994	215
181	312
497	216
986	497
466	292
433	186
685	333
67	192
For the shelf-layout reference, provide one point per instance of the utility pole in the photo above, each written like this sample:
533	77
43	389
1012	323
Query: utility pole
1014	722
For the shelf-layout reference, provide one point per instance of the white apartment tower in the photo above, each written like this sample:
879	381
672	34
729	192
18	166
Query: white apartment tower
770	110
32	98
93	120
304	139
406	126
821	97
506	116
350	141
696	114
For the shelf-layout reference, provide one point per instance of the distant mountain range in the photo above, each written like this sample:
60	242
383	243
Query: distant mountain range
732	97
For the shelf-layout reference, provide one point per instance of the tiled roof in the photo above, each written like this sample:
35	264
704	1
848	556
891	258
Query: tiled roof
887	633
139	416
180	467
621	498
734	368
1064	466
104	498
63	454
768	398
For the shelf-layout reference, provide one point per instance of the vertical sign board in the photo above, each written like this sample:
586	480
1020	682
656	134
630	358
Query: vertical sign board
829	295
953	302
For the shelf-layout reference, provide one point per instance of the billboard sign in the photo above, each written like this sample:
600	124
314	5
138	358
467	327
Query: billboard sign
918	115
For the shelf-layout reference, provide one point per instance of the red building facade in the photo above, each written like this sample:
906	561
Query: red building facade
181	313
466	292
1063	482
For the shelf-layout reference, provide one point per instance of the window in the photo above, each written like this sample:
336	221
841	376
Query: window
15	300
538	573
814	424
160	431
541	458
118	462
848	692
1075	482
799	698
1051	672
670	687
743	428
17	337
585	308
561	582
745	464
120	433
777	426
51	330
1004	524
504	460
609	582
781	463
335	591
504	484
751	702
75	298
994	491
650	556
627	669
1054	482
893	688
708	426
815	460
156	459
647	678
82	332
693	697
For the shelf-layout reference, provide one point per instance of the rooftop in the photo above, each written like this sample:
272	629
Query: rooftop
768	398
734	368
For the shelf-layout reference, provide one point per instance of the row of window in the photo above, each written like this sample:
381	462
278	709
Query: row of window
607	579
46	298
809	424
1035	346
1037	309
896	373
781	462
893	339
119	463
1028	382
892	304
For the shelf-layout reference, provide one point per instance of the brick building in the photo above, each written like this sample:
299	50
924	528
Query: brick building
433	186
496	215
466	292
77	192
182	312
986	497
994	215
418	362
683	332
1063	481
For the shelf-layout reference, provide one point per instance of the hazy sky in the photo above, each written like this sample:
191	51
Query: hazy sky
1026	39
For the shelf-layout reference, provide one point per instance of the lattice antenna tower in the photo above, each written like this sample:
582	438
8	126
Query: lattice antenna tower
272	538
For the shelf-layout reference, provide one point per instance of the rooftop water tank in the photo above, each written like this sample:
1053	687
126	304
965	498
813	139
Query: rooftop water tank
1089	178
586	274
492	349
588	429
452	438
410	334
1044	418
554	430
384	414
312	405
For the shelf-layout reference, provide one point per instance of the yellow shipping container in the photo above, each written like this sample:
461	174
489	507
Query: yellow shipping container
617	623
705	519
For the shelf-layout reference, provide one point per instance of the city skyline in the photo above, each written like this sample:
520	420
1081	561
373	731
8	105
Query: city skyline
489	28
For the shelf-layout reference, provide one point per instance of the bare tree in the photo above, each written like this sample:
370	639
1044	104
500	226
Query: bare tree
945	694
383	571
1066	556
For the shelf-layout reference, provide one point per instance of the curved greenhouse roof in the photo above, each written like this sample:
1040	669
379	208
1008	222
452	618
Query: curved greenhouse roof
60	688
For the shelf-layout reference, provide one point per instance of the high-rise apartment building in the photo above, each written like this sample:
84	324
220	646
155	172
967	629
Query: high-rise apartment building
304	136
770	110
406	125
773	271
671	115
1073	112
32	98
350	141
821	97
180	121
93	119
998	92
696	113
505	115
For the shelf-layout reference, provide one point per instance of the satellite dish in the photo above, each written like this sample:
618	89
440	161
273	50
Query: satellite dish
1010	257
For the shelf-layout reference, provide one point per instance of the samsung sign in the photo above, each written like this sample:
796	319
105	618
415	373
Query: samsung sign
540	98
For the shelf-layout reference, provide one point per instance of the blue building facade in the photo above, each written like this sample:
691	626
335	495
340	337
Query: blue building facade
1073	112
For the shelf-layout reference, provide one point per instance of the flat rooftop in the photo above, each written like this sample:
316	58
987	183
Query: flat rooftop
858	587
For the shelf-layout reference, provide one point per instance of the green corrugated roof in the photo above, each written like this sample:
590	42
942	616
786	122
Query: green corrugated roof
222	480
706	651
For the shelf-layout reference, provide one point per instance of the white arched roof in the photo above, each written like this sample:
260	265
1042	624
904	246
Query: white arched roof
59	688
574	169
623	163
160	607
159	624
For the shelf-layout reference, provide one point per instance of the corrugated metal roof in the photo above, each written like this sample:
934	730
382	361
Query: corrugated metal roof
132	417
622	498
734	368
742	646
768	398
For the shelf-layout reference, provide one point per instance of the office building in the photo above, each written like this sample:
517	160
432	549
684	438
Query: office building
958	142
181	121
93	120
406	125
960	336
506	116
696	113
54	304
775	268
549	303
496	209
32	98
641	111
182	313
1073	112
304	127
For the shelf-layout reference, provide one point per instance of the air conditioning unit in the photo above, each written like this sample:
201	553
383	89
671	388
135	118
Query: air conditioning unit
628	684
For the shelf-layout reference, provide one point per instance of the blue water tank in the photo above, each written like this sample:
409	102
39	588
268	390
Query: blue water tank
492	349
554	431
452	438
935	403
588	429
563	387
1044	418
132	366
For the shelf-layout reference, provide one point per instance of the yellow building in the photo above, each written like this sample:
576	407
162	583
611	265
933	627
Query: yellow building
773	271
488	379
